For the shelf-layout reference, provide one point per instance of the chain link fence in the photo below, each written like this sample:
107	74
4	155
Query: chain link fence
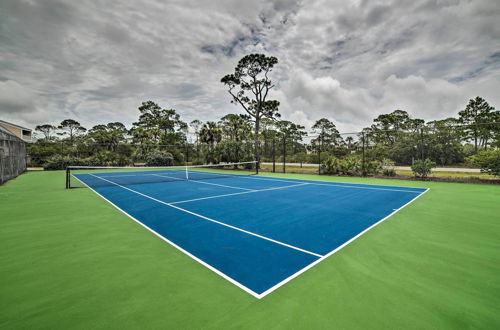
12	156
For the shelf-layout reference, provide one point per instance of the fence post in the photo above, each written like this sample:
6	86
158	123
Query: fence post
319	154
422	144
284	154
274	154
363	165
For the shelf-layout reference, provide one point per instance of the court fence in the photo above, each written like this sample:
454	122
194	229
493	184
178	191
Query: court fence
12	156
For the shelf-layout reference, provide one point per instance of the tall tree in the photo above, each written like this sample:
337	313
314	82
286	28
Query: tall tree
249	87
161	125
235	126
47	130
328	135
109	135
72	128
474	116
195	125
210	133
291	132
388	127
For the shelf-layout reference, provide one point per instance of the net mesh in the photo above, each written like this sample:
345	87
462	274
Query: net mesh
91	176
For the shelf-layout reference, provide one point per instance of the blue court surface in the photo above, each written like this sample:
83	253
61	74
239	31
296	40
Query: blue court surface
257	232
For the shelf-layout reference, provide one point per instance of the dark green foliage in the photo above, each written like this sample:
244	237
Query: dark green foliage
72	128
352	166
328	136
231	151
159	158
475	115
249	87
58	162
393	138
488	161
388	167
422	168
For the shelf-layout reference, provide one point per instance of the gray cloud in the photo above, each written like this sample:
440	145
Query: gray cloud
96	61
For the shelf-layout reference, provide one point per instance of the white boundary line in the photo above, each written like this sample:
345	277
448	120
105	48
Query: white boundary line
268	291
239	193
283	282
212	220
201	182
326	183
215	270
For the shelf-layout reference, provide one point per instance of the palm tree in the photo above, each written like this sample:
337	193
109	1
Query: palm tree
210	133
350	141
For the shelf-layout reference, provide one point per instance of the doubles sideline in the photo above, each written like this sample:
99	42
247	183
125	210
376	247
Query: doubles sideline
210	219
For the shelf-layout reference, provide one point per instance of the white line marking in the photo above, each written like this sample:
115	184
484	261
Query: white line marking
210	183
238	193
213	220
241	286
348	185
215	270
137	174
268	291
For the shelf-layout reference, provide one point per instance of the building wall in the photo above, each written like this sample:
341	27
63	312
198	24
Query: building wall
16	131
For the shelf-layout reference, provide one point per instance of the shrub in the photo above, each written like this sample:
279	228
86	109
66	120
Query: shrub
330	166
422	168
248	158
350	166
159	158
373	167
59	162
487	160
388	167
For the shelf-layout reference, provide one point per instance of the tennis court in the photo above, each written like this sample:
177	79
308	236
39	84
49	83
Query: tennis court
257	232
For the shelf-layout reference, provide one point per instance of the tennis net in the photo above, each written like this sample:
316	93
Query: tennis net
102	176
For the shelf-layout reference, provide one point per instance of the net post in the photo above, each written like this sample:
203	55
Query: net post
187	172
68	176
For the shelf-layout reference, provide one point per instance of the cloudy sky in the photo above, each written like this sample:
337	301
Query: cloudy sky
96	61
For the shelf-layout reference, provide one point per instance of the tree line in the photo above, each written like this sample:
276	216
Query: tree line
161	137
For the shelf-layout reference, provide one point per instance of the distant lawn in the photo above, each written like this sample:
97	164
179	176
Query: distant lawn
449	174
71	260
452	174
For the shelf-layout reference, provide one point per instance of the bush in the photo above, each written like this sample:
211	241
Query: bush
422	168
487	160
388	167
59	162
350	166
108	158
249	166
330	166
159	158
373	168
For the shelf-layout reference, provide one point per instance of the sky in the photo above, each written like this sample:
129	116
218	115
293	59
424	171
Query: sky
348	61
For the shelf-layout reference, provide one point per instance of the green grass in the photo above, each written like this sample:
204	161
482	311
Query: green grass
447	174
453	174
71	260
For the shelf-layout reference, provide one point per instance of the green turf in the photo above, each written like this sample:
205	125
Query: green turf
70	260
